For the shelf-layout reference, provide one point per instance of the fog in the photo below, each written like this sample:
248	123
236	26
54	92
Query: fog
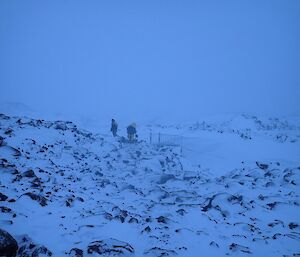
148	60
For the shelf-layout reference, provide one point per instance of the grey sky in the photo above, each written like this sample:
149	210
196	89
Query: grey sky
147	59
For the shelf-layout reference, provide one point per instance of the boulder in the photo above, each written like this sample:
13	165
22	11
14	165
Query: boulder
8	245
76	252
29	248
40	199
3	197
29	174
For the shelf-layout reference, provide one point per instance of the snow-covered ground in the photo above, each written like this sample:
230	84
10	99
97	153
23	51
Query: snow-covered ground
214	188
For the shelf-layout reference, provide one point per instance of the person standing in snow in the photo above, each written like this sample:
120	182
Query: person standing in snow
131	132
114	127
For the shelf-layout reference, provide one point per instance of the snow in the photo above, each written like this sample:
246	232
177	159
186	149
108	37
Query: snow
224	187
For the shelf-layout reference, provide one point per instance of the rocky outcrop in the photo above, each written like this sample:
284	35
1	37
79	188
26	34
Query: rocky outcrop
8	245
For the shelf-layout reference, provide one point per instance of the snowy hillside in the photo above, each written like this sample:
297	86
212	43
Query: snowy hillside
228	188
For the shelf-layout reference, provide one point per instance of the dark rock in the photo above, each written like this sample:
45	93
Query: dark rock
160	252
40	199
9	131
60	125
76	252
80	199
36	183
119	217
108	216
3	197
181	212
214	244
41	250
32	245
235	198
69	202
293	225
268	174
276	223
30	249
5	209
8	245
262	166
133	220
22	252
122	214
16	153
4	117
161	219
109	247
98	173
236	247
275	236
29	174
272	205
209	204
147	229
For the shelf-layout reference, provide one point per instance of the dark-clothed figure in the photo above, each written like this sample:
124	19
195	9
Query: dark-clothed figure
131	131
114	127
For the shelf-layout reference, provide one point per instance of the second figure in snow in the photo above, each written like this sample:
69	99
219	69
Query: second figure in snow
131	132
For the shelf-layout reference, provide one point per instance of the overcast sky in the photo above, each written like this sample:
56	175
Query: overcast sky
151	59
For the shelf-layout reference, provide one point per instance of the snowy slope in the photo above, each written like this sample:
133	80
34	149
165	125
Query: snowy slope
220	189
